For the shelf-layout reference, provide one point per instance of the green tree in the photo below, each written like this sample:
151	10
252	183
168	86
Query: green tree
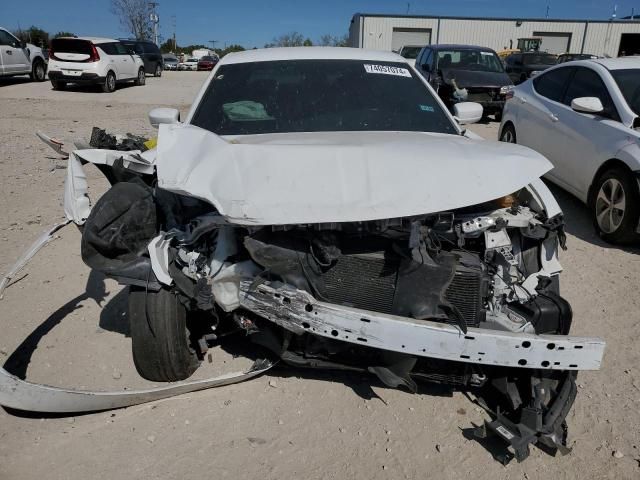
64	34
307	43
168	46
333	41
292	39
34	35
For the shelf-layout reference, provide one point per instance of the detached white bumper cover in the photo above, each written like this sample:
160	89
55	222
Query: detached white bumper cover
300	178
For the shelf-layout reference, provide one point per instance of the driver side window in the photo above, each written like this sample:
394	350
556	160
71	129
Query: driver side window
6	39
587	83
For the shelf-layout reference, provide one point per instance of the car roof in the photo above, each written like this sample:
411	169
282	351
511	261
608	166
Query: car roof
618	63
449	46
310	53
95	40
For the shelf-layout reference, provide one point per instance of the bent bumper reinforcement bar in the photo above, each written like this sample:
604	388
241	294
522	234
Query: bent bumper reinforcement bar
299	312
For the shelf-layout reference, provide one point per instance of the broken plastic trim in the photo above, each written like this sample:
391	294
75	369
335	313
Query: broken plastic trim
29	254
22	395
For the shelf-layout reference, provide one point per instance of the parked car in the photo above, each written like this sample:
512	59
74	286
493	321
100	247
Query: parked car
521	66
149	53
584	117
466	73
324	203
207	62
570	57
170	61
188	64
410	52
20	58
91	60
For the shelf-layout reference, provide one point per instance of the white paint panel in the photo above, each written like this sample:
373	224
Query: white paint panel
553	42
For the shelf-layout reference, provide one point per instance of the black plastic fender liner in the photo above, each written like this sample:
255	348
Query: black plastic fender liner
22	395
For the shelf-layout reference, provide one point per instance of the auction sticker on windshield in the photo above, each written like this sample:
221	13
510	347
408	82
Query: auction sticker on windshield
387	70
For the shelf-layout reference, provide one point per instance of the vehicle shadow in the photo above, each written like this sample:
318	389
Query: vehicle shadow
578	220
18	80
18	362
92	88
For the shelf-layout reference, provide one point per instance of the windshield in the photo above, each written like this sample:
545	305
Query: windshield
469	59
207	59
170	58
319	96
192	59
410	52
629	83
540	59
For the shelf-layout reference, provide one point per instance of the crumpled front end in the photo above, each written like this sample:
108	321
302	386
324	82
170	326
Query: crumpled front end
467	296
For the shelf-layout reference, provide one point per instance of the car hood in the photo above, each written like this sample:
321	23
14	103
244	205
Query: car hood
472	78
330	177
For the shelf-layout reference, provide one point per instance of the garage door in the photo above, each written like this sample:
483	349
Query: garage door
554	42
410	36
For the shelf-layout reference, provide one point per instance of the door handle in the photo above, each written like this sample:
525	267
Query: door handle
553	117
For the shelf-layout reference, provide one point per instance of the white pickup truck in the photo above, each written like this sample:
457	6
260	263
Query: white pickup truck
20	58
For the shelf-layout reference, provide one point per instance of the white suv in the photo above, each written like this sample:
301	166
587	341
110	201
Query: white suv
19	58
89	60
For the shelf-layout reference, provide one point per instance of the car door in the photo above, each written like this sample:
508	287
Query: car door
536	100
585	140
14	58
126	62
423	64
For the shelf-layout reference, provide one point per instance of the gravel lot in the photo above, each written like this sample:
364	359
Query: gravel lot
67	326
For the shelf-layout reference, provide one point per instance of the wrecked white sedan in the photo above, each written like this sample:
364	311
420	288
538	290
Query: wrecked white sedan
324	205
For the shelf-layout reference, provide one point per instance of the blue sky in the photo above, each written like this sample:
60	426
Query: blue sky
255	22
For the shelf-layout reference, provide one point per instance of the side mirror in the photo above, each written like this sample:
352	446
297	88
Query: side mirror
158	116
587	105
467	112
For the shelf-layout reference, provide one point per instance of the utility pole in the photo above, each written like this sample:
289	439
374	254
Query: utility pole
173	24
213	44
547	14
155	19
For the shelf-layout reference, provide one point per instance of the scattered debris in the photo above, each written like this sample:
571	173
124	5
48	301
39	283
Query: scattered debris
273	384
256	440
461	411
116	375
438	448
151	438
618	454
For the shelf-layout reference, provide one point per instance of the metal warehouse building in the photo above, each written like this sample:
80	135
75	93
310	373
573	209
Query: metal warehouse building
388	32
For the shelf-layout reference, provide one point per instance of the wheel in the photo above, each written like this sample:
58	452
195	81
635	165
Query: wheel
158	71
38	71
109	85
615	206
159	336
141	79
58	84
508	134
498	116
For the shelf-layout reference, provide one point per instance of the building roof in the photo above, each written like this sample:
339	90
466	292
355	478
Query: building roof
509	19
310	53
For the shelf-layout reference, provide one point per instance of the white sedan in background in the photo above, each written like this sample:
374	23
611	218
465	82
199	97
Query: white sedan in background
188	64
584	117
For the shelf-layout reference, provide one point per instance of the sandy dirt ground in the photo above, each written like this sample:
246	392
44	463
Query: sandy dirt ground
63	325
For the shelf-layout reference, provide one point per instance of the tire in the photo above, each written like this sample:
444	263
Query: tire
38	71
508	134
498	116
141	79
615	206
109	85
58	85
159	336
158	71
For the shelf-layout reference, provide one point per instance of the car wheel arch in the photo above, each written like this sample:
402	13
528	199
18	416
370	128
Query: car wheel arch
505	124
606	166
